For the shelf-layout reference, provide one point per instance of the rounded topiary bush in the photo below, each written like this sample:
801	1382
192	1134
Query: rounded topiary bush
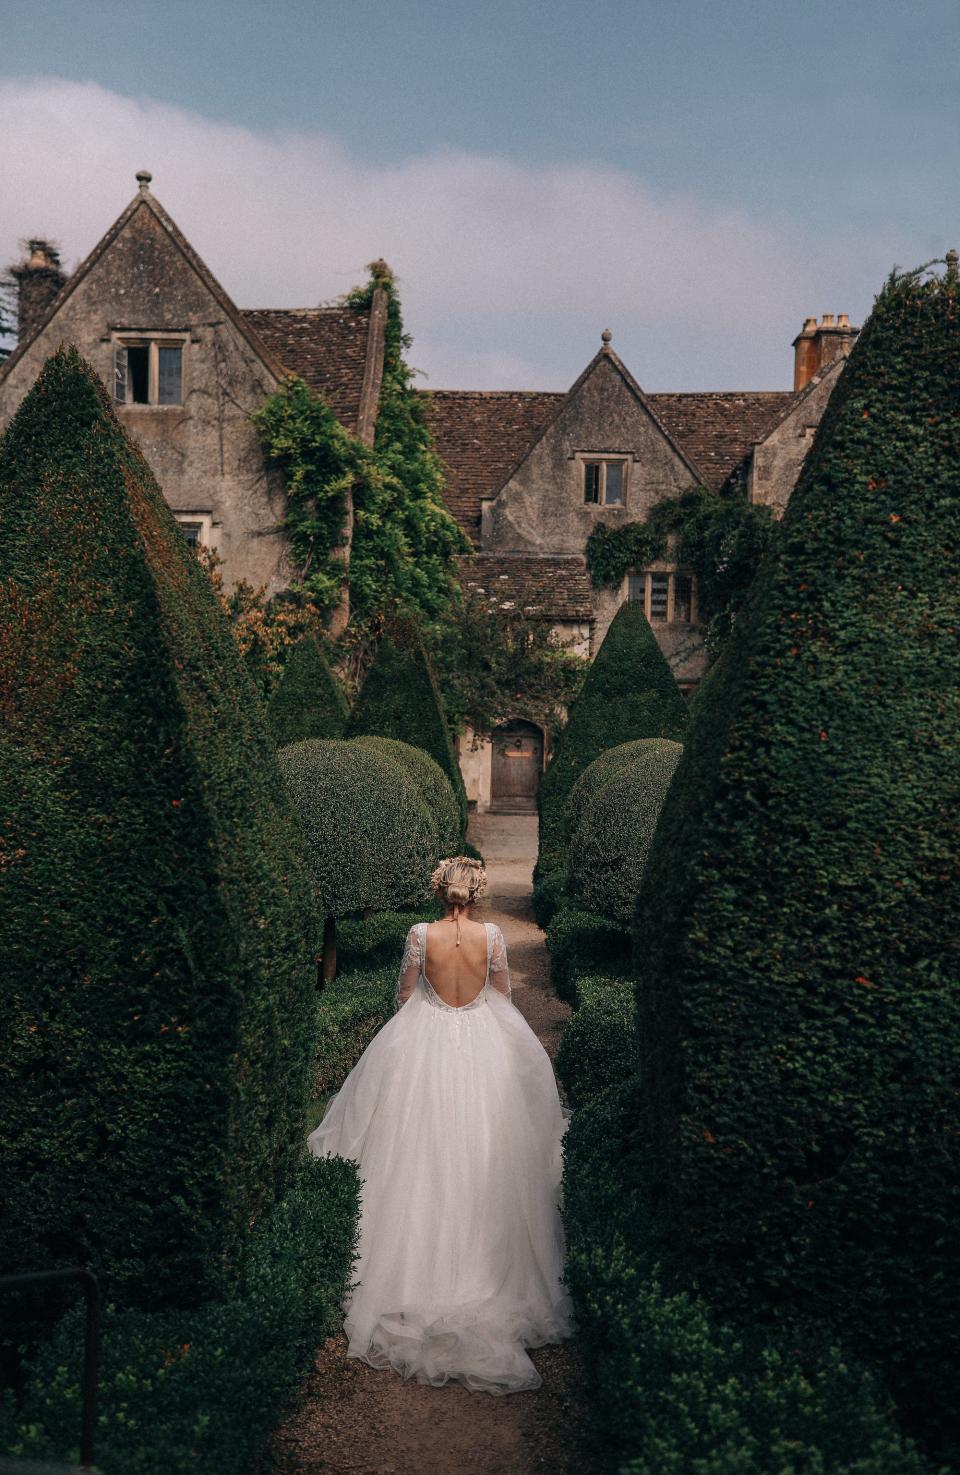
434	786
610	762
368	835
609	848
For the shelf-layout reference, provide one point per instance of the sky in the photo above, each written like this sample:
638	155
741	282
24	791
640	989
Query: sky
697	176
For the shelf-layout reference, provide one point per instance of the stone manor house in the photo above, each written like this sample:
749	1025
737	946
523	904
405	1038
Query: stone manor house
530	474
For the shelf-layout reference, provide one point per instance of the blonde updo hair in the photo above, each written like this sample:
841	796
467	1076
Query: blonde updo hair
460	880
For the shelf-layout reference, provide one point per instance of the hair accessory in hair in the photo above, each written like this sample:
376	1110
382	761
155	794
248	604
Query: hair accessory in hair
460	873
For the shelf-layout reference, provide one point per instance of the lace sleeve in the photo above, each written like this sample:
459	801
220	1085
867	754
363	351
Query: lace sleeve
409	969
499	968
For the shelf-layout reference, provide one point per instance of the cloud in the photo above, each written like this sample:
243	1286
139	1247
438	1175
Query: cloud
508	270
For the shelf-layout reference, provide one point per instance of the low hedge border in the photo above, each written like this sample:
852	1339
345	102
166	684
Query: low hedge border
201	1391
673	1390
580	943
599	1043
549	895
349	1012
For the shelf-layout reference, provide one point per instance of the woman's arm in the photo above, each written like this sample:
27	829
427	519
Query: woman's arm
499	968
409	969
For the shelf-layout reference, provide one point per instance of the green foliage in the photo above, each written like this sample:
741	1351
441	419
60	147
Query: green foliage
308	701
799	1017
496	662
368	837
435	789
673	1389
720	538
549	894
350	1010
580	943
630	692
370	942
201	1391
609	848
596	775
599	1044
399	699
157	921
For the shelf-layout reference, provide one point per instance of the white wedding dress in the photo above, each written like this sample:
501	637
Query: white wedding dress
455	1120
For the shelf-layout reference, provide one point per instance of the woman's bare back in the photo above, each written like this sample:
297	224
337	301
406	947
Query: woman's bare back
456	974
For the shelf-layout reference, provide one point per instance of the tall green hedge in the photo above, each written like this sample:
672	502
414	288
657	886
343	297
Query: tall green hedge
609	848
434	786
399	699
630	692
799	926
596	775
308	701
157	922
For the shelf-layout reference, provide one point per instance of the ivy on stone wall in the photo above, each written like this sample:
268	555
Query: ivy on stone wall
720	538
405	541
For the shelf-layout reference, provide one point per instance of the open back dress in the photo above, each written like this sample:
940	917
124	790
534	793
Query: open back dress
453	1115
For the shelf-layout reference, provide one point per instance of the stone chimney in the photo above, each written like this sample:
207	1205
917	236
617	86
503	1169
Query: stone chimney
38	279
820	343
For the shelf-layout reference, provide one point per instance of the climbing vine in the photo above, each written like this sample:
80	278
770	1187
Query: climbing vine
720	538
405	542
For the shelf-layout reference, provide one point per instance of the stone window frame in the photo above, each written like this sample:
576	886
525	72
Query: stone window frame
201	520
154	339
670	572
603	458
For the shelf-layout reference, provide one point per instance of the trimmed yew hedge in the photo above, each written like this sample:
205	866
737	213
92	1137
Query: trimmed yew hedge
598	773
435	789
399	699
157	925
610	845
799	925
308	701
630	692
581	942
599	1043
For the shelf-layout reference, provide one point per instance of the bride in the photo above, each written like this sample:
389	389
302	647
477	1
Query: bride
453	1114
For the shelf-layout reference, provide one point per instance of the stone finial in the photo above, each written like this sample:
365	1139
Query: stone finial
606	337
143	180
952	260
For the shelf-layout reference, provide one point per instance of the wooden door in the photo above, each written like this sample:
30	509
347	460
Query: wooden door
516	767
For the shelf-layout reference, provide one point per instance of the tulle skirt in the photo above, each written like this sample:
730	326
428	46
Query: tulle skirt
454	1118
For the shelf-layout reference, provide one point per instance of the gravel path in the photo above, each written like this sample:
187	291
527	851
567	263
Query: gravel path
356	1420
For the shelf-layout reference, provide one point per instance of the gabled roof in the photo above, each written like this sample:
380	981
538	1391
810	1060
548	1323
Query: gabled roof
552	587
484	435
326	346
144	200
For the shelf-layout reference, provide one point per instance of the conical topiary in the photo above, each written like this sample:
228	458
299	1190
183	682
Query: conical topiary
630	692
399	699
308	701
157	923
798	944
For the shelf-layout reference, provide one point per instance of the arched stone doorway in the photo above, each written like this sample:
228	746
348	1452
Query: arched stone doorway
515	767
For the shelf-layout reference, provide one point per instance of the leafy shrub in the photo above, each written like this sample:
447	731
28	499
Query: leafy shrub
372	942
609	848
599	1043
399	699
201	1391
581	943
368	836
434	786
549	894
158	926
350	1010
308	701
596	774
673	1389
629	693
797	1001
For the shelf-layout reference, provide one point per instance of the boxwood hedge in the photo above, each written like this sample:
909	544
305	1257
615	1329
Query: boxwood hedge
157	924
581	942
595	775
599	1043
399	699
630	692
610	845
799	924
434	786
308	701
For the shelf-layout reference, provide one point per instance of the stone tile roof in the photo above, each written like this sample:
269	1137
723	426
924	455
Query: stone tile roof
326	346
482	435
717	428
554	586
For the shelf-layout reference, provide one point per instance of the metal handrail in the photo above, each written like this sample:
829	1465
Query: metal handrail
91	1291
